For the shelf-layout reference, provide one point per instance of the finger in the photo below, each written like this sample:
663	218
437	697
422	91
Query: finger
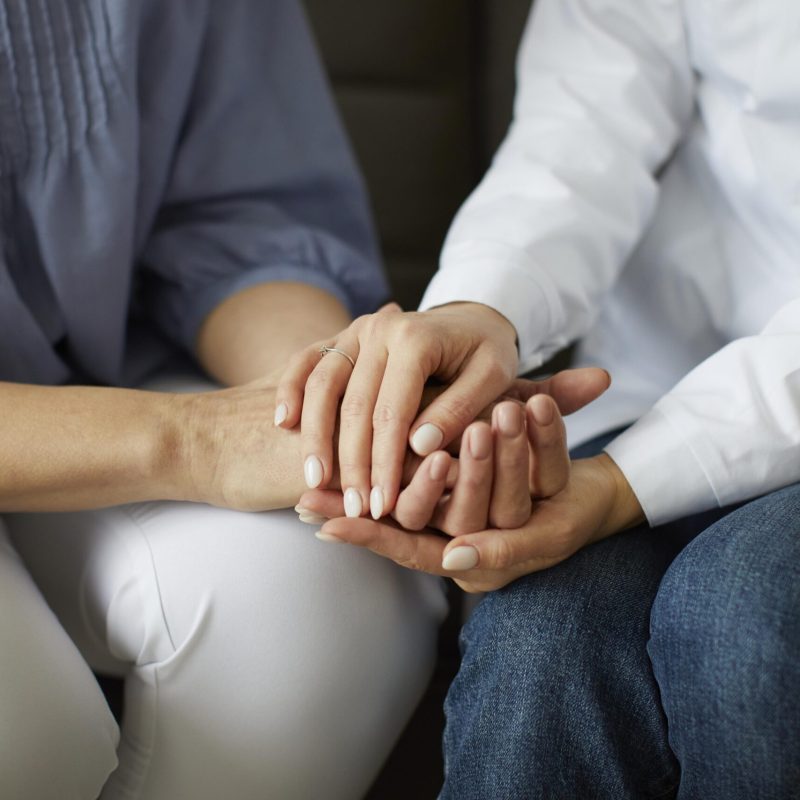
291	389
572	389
324	389
467	510
513	552
417	551
325	503
417	502
510	504
550	464
395	408
483	380
413	462
390	308
355	433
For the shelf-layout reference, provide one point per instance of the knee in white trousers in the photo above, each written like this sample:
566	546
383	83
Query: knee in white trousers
259	662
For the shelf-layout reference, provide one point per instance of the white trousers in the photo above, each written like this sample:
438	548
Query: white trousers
259	662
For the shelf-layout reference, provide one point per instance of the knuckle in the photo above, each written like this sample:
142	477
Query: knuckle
503	555
348	465
407	327
354	407
411	521
497	371
457	410
386	415
513	514
320	377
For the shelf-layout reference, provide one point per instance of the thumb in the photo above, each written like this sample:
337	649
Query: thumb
522	549
572	389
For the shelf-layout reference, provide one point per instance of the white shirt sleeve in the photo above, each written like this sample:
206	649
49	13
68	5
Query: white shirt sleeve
605	92
729	431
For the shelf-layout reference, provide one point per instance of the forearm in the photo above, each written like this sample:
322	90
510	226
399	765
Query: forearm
253	333
68	448
74	448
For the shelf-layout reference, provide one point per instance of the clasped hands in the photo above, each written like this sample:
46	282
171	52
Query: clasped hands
511	503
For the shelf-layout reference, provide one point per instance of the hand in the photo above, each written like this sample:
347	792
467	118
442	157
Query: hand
467	345
488	484
595	502
226	451
568	390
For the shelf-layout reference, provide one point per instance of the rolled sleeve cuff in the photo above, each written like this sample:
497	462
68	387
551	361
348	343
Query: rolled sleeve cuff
508	287
205	301
662	469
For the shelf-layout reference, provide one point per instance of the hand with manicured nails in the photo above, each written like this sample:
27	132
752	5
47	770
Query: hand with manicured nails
573	505
467	346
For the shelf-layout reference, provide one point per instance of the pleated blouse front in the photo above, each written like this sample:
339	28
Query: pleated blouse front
156	157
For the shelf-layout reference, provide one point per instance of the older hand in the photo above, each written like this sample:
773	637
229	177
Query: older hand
595	501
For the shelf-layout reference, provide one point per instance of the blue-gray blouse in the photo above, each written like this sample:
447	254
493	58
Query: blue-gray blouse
157	156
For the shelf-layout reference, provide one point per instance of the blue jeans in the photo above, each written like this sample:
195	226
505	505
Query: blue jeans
656	664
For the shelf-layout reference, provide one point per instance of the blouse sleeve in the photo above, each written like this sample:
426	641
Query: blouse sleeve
263	185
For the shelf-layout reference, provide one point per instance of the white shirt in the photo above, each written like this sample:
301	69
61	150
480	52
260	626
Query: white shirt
647	199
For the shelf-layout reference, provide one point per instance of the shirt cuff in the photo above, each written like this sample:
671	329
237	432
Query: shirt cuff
662	469
506	286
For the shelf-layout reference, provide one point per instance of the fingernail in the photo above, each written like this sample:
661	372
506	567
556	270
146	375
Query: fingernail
327	537
281	412
376	502
460	558
352	503
312	519
542	409
480	442
302	510
440	464
509	420
313	472
426	439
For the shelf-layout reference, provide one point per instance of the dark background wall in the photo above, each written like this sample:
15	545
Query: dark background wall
425	89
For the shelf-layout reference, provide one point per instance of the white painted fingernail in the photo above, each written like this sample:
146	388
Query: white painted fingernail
327	537
313	472
313	519
352	503
281	412
460	558
376	502
426	439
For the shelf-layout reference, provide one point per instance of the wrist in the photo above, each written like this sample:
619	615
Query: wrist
626	511
170	474
491	317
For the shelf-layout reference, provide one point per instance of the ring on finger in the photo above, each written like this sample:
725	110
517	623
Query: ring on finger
324	350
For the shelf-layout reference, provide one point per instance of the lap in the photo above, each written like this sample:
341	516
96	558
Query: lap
243	632
624	642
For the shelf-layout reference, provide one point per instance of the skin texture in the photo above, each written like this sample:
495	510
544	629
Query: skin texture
576	504
70	448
